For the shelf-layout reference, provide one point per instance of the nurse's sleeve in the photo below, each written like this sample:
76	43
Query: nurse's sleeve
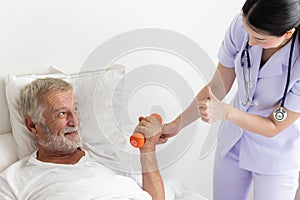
292	101
232	42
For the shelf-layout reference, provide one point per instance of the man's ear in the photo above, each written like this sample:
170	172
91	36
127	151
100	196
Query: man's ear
31	125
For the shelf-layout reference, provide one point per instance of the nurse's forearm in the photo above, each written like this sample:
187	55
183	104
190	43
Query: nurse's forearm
265	126
220	85
191	113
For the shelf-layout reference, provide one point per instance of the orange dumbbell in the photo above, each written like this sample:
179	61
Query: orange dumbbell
137	140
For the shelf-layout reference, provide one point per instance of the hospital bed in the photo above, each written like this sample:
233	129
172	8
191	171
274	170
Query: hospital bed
185	162
186	175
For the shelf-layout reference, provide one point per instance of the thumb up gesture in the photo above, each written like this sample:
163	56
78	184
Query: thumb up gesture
211	109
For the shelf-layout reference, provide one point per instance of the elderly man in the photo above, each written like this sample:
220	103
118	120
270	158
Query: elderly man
61	168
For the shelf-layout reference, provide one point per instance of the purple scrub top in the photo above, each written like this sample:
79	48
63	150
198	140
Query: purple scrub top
281	153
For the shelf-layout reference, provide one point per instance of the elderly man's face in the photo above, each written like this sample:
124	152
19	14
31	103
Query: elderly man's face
59	131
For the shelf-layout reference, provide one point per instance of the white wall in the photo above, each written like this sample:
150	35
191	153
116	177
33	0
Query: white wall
35	34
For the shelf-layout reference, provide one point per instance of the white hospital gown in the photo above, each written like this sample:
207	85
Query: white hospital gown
31	179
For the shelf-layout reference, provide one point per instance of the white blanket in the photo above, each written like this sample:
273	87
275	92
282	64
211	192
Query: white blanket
31	179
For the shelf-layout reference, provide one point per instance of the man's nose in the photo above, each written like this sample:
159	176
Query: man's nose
73	118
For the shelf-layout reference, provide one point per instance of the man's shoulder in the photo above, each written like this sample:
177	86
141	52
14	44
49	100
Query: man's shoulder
16	167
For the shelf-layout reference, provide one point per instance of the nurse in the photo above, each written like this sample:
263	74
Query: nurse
259	141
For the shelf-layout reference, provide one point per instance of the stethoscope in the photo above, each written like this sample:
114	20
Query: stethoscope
280	113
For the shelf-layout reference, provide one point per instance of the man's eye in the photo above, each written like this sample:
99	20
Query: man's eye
61	114
75	108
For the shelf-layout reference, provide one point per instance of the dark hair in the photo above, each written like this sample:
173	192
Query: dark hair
274	17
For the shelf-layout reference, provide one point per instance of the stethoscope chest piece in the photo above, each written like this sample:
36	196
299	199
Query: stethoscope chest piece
279	114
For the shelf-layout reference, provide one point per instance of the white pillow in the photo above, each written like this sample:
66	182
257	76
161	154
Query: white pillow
99	95
8	152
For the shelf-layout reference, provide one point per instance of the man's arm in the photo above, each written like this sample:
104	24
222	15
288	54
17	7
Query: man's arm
152	181
5	190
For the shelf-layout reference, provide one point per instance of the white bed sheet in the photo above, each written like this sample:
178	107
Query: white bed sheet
176	190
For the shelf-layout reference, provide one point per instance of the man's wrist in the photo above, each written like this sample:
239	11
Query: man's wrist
148	161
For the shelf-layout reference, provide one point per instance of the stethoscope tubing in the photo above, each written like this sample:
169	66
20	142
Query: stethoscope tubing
280	113
289	70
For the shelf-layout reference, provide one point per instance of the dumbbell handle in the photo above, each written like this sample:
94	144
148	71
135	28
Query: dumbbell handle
137	139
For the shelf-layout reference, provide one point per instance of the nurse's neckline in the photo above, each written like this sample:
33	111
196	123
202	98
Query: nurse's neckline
268	53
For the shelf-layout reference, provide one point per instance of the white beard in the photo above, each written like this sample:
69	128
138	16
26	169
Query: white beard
66	145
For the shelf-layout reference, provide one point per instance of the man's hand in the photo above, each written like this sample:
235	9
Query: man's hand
152	129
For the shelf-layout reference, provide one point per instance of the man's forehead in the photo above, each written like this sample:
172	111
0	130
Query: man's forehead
57	99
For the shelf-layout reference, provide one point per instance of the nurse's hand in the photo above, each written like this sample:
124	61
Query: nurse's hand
169	130
211	109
